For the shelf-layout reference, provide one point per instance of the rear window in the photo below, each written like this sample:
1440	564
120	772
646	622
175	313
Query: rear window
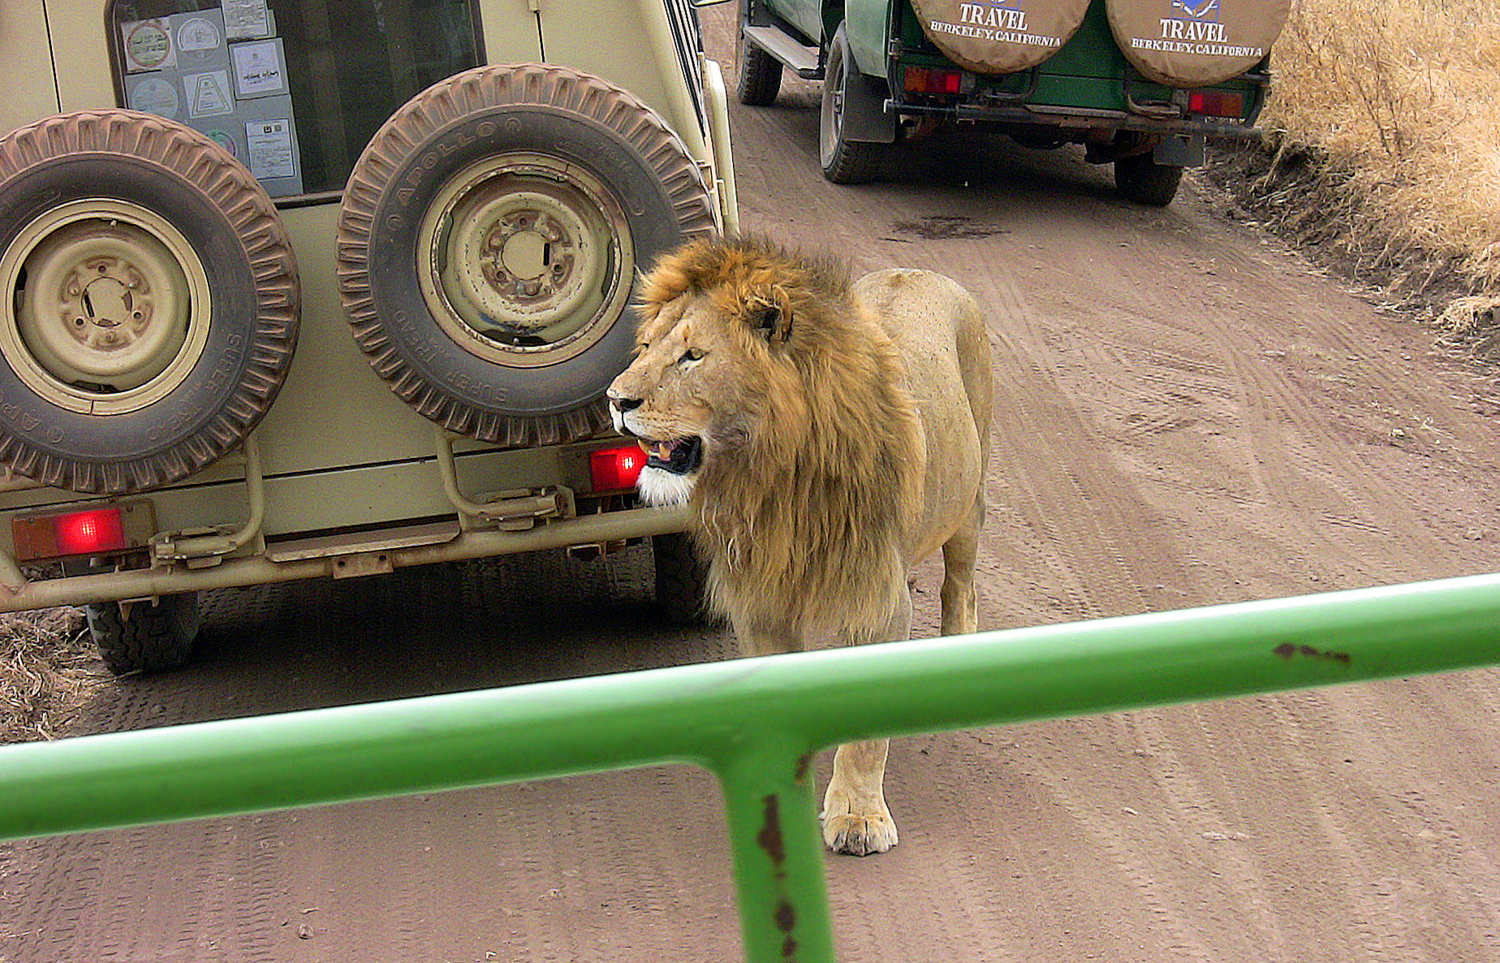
293	88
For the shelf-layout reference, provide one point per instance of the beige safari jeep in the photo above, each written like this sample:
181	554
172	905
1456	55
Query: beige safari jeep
323	288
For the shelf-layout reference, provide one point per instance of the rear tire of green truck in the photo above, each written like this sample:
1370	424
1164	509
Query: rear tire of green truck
1141	179
844	161
681	579
145	636
760	76
490	242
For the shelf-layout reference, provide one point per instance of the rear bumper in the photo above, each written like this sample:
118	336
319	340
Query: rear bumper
1079	119
376	553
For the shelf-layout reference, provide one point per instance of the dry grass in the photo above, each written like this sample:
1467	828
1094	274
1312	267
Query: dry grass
47	662
1397	103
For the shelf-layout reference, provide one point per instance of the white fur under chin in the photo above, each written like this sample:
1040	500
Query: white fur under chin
660	487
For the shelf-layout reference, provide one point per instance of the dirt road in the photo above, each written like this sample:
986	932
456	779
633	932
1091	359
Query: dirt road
1186	415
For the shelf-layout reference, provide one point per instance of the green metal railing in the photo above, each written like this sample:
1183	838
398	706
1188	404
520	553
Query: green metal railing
753	722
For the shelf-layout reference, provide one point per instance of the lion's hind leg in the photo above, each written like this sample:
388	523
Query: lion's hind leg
960	601
855	817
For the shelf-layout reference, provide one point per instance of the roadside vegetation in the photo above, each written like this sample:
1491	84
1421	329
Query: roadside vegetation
1383	149
47	662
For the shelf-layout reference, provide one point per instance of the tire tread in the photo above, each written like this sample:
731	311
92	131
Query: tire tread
153	638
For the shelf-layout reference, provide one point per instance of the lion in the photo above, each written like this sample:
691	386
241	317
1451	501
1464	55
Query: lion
827	436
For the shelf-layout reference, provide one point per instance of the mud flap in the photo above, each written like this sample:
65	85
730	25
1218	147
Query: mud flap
1180	151
865	118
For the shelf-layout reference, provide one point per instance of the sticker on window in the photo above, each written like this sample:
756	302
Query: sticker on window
271	149
148	46
198	39
258	70
246	19
208	94
154	95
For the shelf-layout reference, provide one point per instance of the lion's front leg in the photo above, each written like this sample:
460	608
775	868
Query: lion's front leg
766	636
855	818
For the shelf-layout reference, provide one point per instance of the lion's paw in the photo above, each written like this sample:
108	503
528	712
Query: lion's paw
859	835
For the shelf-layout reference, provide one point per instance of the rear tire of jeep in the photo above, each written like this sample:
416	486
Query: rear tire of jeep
760	76
148	301
844	161
152	638
490	240
1143	180
681	579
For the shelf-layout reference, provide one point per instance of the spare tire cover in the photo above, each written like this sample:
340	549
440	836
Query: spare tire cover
1000	36
1194	43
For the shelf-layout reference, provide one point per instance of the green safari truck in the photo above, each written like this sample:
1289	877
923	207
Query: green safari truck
1140	83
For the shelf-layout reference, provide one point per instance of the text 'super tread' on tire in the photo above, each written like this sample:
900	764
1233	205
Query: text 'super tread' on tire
150	301
490	239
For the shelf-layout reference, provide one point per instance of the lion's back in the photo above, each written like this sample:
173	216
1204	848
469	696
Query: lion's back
938	328
940	332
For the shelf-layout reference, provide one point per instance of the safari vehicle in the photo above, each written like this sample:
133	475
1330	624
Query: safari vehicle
1140	83
305	288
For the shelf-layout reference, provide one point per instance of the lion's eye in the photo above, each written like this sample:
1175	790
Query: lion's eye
691	354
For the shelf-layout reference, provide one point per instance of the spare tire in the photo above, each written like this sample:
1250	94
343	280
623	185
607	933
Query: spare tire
1000	37
1195	43
490	240
149	299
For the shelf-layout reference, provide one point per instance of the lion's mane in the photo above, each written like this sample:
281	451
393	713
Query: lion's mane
803	521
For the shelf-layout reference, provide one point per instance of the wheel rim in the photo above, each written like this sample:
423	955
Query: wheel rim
831	118
528	259
108	306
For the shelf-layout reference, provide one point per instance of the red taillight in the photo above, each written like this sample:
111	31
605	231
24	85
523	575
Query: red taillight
1216	103
928	80
614	469
102	530
91	532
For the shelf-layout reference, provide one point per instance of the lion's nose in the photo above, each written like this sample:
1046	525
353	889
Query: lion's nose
625	404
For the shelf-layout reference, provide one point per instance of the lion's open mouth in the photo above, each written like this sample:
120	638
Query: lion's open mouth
679	457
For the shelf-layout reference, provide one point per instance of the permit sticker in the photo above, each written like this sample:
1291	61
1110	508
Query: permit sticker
148	46
246	19
208	94
270	149
198	38
258	69
154	95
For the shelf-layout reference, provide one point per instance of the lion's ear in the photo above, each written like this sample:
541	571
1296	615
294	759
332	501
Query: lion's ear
770	321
